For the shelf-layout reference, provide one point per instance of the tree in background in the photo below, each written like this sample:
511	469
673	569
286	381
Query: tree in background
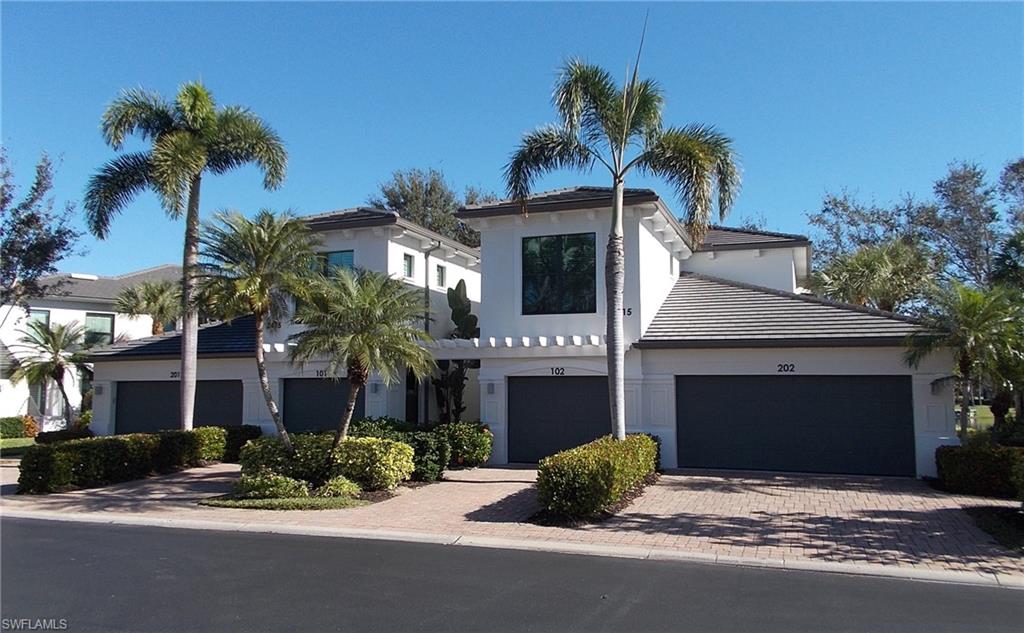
252	267
1011	191
362	322
982	327
161	300
846	225
1009	261
889	276
964	226
189	138
425	198
621	129
50	353
34	235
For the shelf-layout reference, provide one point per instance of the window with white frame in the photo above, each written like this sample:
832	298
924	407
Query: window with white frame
408	265
99	328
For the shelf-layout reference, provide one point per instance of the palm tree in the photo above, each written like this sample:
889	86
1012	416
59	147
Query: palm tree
52	352
885	276
364	322
252	267
189	138
161	300
621	129
981	327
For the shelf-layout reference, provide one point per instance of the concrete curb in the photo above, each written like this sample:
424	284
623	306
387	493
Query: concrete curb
553	546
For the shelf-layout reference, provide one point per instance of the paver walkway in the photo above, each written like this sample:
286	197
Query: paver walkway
888	521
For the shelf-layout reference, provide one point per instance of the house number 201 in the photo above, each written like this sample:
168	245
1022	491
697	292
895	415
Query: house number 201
786	368
558	371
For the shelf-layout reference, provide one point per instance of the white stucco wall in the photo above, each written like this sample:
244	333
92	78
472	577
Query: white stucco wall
772	267
656	272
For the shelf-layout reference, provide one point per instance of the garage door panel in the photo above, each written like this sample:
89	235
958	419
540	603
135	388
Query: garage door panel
837	424
548	414
317	404
145	406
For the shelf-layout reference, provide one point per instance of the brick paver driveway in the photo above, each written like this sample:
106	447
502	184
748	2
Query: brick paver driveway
888	521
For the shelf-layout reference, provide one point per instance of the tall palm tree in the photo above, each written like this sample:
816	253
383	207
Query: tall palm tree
160	300
252	267
981	327
364	322
52	351
189	138
887	276
621	129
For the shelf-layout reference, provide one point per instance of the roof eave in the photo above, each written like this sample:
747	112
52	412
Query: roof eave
127	357
513	208
859	341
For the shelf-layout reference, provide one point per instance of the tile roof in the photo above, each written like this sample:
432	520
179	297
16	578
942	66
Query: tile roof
73	286
216	340
707	312
581	197
364	217
725	238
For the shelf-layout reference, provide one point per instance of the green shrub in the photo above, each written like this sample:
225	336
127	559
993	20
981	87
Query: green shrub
583	481
237	436
978	469
338	487
431	452
268	485
99	461
374	463
49	437
311	462
470	443
1011	432
213	442
1018	478
12	427
84	420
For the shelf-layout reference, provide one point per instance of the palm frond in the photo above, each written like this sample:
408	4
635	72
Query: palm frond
113	187
194	107
161	300
178	157
241	137
136	110
697	161
541	151
586	97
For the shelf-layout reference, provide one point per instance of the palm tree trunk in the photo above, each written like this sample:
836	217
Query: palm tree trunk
614	281
190	318
157	327
350	407
261	369
67	402
965	405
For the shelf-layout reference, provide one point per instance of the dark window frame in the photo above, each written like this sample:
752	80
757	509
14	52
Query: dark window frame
325	259
441	276
94	341
408	265
37	310
559	278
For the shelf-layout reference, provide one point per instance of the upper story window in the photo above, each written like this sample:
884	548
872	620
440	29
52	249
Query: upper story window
408	265
560	274
337	259
442	276
42	316
99	328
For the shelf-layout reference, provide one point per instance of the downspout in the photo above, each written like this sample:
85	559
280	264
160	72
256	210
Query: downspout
426	325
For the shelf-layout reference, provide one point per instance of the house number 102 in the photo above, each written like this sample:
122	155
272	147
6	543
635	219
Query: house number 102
558	371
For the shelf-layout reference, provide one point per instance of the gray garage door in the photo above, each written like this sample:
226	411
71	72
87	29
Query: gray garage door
316	404
826	424
550	414
153	405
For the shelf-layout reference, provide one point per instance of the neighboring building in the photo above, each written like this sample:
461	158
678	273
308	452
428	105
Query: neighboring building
728	362
87	300
136	382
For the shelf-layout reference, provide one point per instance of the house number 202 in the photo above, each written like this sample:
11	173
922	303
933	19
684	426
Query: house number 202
786	368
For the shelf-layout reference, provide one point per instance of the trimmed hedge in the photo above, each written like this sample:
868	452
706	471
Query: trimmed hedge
98	461
470	443
267	485
338	487
584	481
64	435
12	427
374	463
237	436
979	469
431	452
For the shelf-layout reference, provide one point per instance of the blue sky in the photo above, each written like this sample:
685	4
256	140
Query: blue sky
818	97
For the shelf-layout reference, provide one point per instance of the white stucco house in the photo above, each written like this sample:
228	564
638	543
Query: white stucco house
75	297
729	362
136	382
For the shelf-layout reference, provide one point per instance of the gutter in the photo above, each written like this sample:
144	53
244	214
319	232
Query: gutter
426	320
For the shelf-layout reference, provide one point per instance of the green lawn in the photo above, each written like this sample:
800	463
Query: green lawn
298	503
15	446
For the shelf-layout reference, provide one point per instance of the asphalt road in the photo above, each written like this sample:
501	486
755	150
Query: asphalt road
118	578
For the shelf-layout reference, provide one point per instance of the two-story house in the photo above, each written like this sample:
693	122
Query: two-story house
728	362
136	383
87	300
